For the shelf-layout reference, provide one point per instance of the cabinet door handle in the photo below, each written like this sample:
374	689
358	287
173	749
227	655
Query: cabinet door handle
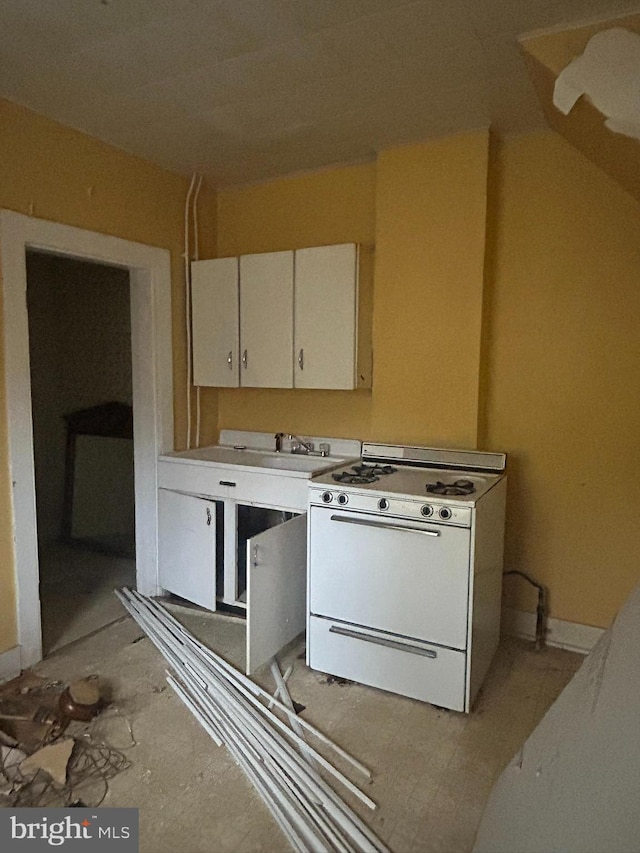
226	483
301	359
208	517
244	359
382	641
230	359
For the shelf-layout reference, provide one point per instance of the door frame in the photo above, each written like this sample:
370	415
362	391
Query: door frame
152	374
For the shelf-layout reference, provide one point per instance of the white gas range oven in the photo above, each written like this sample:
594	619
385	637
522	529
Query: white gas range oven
405	556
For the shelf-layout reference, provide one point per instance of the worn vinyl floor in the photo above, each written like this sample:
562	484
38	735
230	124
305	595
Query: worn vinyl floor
76	591
433	769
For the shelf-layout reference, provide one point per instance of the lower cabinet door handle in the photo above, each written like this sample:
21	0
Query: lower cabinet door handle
226	483
383	641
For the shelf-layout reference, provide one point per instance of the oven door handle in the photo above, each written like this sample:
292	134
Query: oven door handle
383	641
384	525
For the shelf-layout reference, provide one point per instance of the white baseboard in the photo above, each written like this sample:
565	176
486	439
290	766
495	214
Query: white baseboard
563	635
10	664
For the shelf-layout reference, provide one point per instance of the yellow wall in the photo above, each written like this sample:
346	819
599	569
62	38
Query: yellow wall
418	204
549	337
55	173
430	235
563	367
541	361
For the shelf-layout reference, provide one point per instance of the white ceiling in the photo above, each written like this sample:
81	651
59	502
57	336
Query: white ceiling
244	90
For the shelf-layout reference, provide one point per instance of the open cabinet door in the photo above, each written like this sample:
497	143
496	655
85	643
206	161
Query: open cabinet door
276	589
187	547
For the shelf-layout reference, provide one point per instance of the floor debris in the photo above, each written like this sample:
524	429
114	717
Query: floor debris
233	710
53	759
53	747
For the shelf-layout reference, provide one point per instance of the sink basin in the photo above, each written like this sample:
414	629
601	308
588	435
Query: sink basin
290	462
255	458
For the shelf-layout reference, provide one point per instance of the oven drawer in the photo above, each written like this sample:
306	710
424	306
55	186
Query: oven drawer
397	664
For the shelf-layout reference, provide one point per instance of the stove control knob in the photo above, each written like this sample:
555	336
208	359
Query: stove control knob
327	497
427	510
383	503
445	512
343	499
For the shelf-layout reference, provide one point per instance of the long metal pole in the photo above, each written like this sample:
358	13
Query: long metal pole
242	679
199	666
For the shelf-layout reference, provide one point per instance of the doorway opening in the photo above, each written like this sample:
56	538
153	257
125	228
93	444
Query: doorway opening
82	410
152	367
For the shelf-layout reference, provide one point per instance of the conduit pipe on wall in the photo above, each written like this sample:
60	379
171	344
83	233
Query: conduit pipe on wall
190	210
187	312
230	707
196	257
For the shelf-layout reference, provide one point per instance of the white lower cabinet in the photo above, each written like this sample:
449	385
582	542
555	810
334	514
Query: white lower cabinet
187	547
221	549
276	589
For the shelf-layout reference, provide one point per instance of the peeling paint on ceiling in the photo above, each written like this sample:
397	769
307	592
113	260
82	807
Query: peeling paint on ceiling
608	73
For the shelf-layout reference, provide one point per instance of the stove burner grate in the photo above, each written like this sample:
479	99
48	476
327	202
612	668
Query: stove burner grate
353	479
361	474
458	487
373	470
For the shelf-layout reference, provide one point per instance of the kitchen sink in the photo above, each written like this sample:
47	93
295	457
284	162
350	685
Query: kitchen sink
299	464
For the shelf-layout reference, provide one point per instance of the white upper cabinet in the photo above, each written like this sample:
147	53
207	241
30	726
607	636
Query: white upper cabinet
284	319
266	320
215	322
327	301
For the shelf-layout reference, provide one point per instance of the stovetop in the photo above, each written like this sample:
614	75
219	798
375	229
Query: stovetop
433	475
409	481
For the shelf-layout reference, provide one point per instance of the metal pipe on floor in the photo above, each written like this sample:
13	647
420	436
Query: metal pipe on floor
201	670
300	800
242	679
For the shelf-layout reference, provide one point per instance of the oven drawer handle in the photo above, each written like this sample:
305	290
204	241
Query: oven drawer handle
382	641
384	525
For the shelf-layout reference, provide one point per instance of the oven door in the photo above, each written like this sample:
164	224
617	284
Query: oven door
409	578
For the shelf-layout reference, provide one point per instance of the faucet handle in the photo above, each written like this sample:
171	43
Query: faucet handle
278	437
324	448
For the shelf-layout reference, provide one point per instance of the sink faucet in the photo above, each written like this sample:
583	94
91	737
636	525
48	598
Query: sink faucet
300	445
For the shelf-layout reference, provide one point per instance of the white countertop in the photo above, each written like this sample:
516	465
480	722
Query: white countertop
255	452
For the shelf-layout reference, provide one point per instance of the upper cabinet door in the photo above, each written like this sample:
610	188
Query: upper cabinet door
326	318
266	320
214	303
